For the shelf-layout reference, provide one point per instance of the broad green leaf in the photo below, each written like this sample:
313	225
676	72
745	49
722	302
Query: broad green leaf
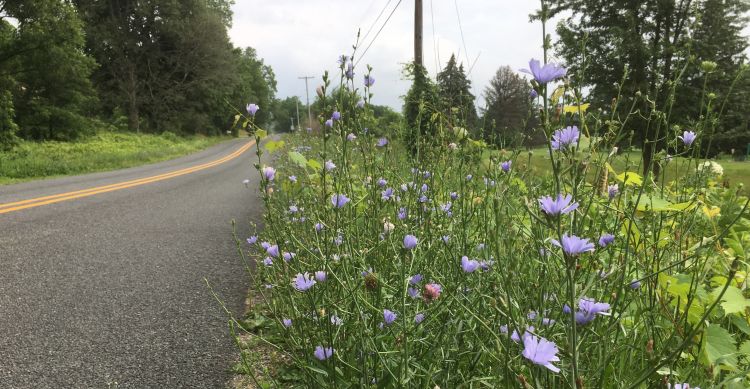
298	158
314	164
736	246
745	348
630	178
719	346
741	323
260	134
575	108
732	301
274	145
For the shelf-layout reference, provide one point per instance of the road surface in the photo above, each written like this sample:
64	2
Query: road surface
105	288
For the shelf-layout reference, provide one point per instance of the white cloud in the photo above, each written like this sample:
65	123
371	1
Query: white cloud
305	37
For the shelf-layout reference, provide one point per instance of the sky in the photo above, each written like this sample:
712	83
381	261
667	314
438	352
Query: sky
306	37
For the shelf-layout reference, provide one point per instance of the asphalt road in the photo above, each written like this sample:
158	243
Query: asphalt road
108	290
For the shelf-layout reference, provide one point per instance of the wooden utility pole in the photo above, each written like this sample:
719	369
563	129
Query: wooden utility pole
418	33
307	93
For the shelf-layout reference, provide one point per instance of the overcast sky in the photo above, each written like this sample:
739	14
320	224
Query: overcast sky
305	37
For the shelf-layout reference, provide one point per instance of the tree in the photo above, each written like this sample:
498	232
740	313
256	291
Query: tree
507	105
456	100
646	38
648	41
717	38
45	70
157	69
420	102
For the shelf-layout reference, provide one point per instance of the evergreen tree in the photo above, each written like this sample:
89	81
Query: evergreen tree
456	100
507	105
420	103
648	41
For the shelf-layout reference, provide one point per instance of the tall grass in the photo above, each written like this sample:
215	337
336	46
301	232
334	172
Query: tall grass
104	151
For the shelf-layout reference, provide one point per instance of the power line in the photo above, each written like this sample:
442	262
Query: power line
460	28
376	20
378	33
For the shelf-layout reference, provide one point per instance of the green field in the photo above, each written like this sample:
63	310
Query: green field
735	172
104	151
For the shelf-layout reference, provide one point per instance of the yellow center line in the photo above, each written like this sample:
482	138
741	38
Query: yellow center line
39	201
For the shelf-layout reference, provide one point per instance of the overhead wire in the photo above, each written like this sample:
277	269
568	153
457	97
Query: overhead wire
378	33
376	20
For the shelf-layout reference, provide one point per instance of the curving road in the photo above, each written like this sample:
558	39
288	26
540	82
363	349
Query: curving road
105	288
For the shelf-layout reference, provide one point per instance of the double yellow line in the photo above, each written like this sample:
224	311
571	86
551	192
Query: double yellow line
39	201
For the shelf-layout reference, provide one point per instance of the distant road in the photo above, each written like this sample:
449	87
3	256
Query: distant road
101	275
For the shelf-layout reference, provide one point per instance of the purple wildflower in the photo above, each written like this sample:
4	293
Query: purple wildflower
273	251
445	239
321	276
402	213
382	182
415	279
612	191
588	309
540	351
382	142
265	245
410	242
573	245
369	80
303	282
506	166
468	265
687	138
293	178
606	239
418	318
335	320
252	109
566	309
268	261
349	71
546	73
339	200
288	256
413	293
329	123
554	207
269	173
387	194
533	94
351	137
432	292
252	239
565	138
454	196
323	353
330	165
336	115
389	316
360	104
287	323
319	227
635	284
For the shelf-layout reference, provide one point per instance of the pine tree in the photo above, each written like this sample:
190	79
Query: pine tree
456	100
507	104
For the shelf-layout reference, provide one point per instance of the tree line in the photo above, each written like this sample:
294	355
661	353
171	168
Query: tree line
666	51
68	67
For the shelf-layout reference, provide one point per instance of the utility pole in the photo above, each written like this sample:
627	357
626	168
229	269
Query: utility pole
298	122
307	93
418	33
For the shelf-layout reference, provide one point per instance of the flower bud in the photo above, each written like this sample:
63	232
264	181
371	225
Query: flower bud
708	66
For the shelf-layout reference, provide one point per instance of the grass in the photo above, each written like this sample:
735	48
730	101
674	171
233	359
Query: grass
104	151
735	172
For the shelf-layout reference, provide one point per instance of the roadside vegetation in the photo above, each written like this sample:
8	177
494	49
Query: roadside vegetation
104	151
436	253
